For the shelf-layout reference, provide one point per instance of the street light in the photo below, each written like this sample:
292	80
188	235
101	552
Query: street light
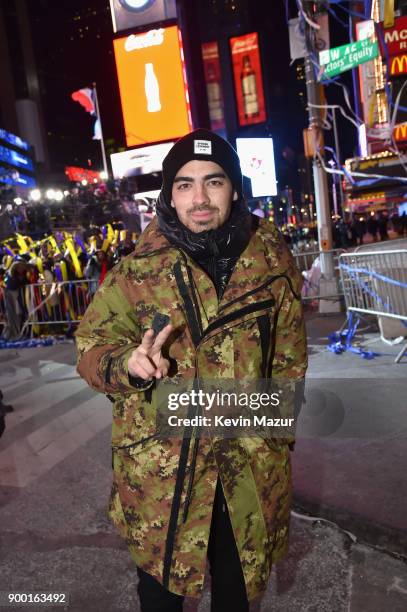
59	196
35	195
50	194
84	182
18	201
103	175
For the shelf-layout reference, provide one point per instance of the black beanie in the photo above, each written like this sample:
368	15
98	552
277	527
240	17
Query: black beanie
206	146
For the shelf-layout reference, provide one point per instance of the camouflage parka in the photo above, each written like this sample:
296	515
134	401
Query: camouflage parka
256	327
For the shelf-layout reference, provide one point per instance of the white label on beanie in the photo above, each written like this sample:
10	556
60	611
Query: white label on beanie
203	147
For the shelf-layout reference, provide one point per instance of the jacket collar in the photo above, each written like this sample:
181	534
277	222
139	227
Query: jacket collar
151	240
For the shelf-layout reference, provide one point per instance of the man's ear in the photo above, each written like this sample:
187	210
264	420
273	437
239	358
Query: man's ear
235	196
172	204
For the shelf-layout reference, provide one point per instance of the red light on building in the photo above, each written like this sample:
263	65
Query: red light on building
248	79
76	175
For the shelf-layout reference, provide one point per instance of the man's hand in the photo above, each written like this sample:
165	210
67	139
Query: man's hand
146	361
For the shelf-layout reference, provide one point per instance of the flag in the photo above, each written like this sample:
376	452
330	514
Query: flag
86	98
97	130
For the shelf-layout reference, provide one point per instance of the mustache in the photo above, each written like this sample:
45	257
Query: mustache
202	208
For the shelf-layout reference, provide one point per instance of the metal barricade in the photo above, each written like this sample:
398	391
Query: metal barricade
56	303
375	283
385	245
306	259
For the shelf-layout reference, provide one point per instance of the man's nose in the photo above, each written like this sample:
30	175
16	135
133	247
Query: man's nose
200	194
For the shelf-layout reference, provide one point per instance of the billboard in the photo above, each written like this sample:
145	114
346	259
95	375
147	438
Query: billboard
395	38
15	159
257	162
398	65
76	174
16	179
136	162
128	14
248	79
211	63
14	140
153	88
368	78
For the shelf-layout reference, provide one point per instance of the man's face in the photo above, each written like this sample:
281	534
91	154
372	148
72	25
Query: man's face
202	195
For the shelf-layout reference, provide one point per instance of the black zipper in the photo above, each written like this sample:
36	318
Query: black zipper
263	286
232	316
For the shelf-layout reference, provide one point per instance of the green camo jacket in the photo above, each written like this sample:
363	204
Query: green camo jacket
212	340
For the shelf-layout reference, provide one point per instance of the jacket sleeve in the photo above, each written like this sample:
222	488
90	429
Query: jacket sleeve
106	338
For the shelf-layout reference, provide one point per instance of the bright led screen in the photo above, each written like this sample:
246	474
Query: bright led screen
143	160
152	83
257	162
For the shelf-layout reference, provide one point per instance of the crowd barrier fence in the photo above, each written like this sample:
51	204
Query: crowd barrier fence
375	283
57	303
65	303
305	261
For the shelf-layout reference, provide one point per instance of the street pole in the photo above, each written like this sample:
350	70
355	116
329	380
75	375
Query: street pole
328	282
320	179
102	143
338	163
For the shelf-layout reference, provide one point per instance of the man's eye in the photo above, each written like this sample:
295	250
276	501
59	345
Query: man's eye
183	186
215	182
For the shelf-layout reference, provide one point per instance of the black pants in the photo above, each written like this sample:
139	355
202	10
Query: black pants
228	589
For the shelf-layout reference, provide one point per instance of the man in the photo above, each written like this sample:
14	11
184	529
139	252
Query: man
231	291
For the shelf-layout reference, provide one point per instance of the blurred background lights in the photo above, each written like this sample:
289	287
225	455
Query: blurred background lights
35	195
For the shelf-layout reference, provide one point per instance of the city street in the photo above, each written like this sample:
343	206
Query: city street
55	477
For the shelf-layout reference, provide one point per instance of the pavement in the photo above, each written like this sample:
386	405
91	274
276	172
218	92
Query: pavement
348	539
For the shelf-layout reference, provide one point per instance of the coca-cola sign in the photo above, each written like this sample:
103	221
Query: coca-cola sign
148	39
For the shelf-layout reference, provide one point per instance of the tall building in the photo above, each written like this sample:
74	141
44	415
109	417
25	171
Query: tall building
20	99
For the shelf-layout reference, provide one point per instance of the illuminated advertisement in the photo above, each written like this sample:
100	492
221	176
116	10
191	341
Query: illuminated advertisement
398	65
210	56
16	179
14	140
77	174
127	14
395	38
136	162
400	132
153	88
257	162
15	159
248	79
368	78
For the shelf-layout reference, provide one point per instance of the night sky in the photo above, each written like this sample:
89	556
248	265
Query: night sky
73	47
